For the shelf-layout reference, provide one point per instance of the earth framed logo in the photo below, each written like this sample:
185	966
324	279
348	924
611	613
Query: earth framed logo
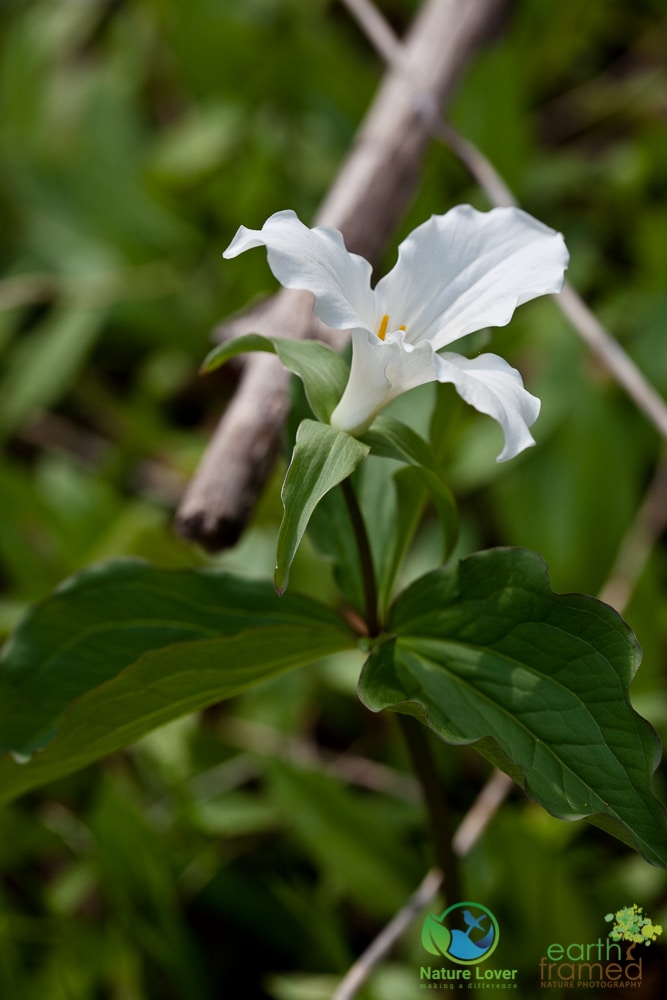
466	933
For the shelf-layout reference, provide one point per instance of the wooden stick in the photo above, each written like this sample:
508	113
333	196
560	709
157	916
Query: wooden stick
471	829
367	200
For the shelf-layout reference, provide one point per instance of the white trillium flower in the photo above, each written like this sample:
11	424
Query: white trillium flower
455	274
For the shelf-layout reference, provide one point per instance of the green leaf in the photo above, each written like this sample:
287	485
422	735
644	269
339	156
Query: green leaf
163	685
322	458
409	498
330	531
323	372
140	646
223	353
393	439
488	654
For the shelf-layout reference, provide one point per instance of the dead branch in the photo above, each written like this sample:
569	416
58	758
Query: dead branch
642	536
469	832
367	200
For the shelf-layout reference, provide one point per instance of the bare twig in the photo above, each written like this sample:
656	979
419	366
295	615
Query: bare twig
352	768
378	31
644	532
467	835
478	817
368	198
614	358
380	947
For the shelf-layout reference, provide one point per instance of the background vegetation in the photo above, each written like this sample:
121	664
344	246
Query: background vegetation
242	853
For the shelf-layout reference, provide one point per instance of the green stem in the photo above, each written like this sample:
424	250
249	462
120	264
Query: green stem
416	737
417	741
365	558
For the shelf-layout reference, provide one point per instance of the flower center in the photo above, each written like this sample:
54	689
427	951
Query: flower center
382	330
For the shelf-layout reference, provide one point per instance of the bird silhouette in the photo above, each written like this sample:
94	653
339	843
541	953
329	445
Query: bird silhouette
473	923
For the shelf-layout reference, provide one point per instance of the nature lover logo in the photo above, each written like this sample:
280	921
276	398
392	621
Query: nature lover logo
466	933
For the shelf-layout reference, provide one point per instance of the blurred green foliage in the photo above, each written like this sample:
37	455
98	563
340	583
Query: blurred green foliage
221	855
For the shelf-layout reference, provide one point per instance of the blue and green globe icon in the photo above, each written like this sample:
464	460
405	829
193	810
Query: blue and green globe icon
466	933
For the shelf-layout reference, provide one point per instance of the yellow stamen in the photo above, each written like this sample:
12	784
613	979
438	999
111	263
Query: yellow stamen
382	330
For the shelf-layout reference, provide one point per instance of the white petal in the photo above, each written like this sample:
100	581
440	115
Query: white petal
381	370
466	270
493	387
367	388
414	365
314	260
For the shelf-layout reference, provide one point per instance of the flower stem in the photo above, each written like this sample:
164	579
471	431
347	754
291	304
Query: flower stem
417	741
365	558
416	737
